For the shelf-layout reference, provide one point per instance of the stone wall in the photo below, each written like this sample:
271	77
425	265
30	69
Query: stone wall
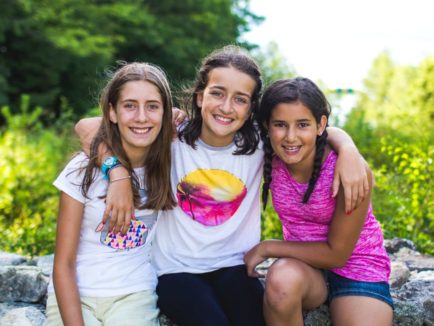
23	287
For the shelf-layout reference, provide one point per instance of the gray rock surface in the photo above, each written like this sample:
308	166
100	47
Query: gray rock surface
23	288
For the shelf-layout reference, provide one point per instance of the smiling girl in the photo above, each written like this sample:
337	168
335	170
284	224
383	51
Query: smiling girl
325	252
101	277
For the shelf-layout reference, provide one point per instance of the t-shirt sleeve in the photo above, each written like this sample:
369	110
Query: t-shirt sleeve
70	179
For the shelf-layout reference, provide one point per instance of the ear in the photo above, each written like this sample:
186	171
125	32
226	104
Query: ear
264	124
322	125
199	99
113	117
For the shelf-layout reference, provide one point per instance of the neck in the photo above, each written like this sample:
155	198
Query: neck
137	159
302	171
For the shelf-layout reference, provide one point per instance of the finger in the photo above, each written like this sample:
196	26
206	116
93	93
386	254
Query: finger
113	220
119	224
106	214
336	183
348	197
366	185
127	221
362	195
355	197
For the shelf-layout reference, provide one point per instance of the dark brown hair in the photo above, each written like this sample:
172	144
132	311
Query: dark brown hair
297	89
247	137
158	160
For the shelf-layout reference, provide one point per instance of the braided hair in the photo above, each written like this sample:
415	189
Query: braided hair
292	90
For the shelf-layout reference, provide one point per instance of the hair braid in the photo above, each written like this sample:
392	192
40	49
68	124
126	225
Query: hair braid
268	156
321	142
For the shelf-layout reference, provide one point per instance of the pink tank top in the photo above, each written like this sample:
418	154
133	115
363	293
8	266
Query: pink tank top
311	221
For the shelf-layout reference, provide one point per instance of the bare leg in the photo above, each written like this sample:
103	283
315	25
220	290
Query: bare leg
291	286
359	310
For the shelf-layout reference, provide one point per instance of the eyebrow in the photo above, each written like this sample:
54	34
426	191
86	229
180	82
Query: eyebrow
133	100
223	89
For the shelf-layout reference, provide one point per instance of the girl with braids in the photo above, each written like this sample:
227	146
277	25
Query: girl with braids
101	277
216	174
325	252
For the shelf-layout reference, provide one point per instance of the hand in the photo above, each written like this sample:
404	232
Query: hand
253	258
178	116
119	202
351	171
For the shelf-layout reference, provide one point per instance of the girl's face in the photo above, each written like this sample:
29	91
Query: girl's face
225	105
293	131
139	116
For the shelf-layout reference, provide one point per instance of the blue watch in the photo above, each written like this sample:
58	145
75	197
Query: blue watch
108	164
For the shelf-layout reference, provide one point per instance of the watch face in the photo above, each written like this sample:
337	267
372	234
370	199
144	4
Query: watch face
110	160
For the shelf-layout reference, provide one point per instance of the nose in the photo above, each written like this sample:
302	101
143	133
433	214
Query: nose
142	115
226	106
290	134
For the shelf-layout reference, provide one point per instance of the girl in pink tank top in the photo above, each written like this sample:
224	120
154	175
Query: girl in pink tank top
326	252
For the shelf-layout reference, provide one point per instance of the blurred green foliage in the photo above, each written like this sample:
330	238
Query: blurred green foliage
30	158
51	49
392	126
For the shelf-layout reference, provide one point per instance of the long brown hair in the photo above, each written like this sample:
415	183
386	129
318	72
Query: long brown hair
158	160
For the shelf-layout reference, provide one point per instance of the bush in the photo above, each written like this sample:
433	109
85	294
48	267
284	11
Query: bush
30	159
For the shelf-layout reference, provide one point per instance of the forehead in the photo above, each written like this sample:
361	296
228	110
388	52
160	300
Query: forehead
291	111
140	90
231	79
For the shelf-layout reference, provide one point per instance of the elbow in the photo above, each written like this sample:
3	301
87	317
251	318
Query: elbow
338	257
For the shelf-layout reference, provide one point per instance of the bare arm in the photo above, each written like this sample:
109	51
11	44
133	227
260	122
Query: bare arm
119	200
343	235
64	271
351	169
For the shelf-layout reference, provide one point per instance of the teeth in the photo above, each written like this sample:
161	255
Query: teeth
140	130
223	119
291	148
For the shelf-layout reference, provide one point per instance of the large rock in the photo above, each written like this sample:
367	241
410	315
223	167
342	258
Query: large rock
411	281
22	284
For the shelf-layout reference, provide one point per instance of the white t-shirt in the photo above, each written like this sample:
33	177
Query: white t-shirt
103	269
217	219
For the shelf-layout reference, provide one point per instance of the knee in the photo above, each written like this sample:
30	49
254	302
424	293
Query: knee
284	283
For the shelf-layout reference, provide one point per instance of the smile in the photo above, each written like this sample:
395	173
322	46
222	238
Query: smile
291	149
140	131
223	119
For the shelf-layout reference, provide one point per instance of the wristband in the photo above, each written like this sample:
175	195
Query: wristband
108	164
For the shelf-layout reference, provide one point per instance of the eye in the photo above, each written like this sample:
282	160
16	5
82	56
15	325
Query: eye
129	105
216	93
241	100
153	106
278	124
303	124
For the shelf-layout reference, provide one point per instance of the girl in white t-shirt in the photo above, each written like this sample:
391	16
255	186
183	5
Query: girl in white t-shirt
103	277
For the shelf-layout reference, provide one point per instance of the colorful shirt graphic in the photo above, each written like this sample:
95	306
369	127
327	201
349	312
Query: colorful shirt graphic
210	197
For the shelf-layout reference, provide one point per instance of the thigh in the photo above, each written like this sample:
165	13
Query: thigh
138	308
188	299
360	310
55	319
241	296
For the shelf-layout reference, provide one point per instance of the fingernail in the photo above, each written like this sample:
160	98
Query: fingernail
349	212
99	227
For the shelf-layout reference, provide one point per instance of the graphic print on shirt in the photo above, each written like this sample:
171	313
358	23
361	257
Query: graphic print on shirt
210	196
135	236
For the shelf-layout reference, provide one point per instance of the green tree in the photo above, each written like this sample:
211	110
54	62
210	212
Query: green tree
273	63
54	49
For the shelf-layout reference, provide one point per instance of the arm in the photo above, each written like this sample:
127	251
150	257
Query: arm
343	235
351	169
119	200
64	272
